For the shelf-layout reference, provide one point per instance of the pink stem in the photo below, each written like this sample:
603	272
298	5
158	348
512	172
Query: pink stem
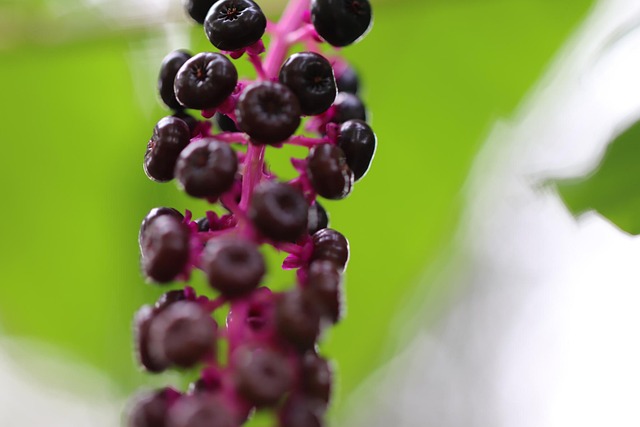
237	137
305	141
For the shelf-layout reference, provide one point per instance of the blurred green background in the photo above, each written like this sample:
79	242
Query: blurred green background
78	108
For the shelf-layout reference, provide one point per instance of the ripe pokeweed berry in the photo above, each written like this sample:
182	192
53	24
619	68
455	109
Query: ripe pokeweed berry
149	409
201	410
348	107
325	284
279	211
198	9
316	377
318	218
141	339
165	248
182	334
263	376
330	245
225	123
329	172
268	112
298	319
168	70
170	136
233	266
205	81
358	142
341	22
152	215
348	81
301	411
169	298
310	77
203	224
191	121
206	168
234	24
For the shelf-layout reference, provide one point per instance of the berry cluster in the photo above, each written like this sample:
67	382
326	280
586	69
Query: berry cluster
269	359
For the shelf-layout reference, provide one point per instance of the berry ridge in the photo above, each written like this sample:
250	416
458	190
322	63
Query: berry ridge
270	360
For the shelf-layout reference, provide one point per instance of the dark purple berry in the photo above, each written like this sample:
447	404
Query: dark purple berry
318	218
201	410
169	298
262	376
149	409
310	77
329	172
325	284
203	224
268	112
168	70
152	215
234	24
169	138
300	411
348	107
182	334
225	123
316	377
233	266
358	142
141	339
198	9
341	22
205	81
330	245
279	211
206	168
298	319
165	248
191	121
348	81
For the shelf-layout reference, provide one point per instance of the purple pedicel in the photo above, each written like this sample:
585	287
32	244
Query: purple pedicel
251	326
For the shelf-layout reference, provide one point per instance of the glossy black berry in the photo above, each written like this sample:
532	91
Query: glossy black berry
348	107
325	284
330	245
142	322
168	70
341	22
358	142
233	266
310	77
203	224
329	172
149	409
198	9
205	81
318	218
348	81
191	121
201	410
262	376
169	138
152	215
316	377
206	168
165	248
298	319
225	123
279	211
182	334
234	24
169	298
301	411
268	112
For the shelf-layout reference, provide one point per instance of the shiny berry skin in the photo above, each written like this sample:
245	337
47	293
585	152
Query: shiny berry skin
348	107
170	136
329	172
191	121
262	376
149	409
234	24
325	284
318	218
168	70
203	224
268	112
358	142
141	339
233	266
348	81
310	77
165	249
169	298
206	168
182	334
297	319
225	123
330	245
198	9
316	377
300	411
341	22
152	215
201	410
205	81
279	211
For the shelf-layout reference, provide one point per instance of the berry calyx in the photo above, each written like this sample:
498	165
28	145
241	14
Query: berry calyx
234	24
205	81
